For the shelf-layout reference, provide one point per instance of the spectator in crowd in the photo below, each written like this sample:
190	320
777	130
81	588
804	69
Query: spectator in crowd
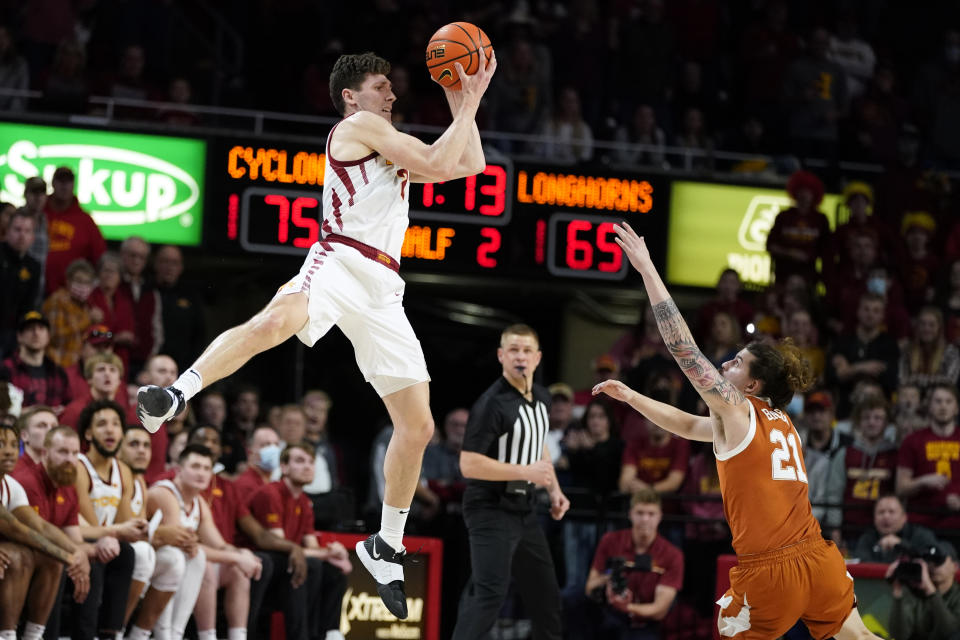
316	409
213	410
35	201
949	302
560	417
852	53
50	490
34	423
6	212
34	553
242	598
520	95
859	198
19	277
147	309
930	609
801	329
593	452
73	233
263	458
283	509
97	339
244	412
657	461
184	331
801	234
642	140
444	483
712	535
14	73
928	359
178	442
751	136
104	373
569	138
862	471
729	299
890	533
815	95
292	427
116	308
928	468
178	112
130	83
821	440
41	379
634	611
160	369
867	352
70	313
66	87
908	414
724	338
876	117
919	265
107	519
692	134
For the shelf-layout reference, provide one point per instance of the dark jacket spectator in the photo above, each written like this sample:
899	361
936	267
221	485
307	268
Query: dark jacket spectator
800	234
115	306
147	308
19	278
73	233
184	328
65	87
40	378
890	529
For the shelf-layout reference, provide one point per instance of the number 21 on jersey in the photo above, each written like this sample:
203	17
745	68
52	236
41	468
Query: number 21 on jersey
783	469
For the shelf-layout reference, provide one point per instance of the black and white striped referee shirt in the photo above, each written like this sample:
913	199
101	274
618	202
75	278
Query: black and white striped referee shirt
507	428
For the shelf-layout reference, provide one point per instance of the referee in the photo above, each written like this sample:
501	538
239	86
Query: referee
504	458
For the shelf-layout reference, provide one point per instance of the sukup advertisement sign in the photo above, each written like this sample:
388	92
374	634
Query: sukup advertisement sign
715	226
132	184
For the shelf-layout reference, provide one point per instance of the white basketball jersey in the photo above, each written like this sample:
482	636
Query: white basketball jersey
366	200
188	519
105	496
12	494
137	501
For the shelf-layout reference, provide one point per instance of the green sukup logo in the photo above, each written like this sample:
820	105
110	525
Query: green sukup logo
132	184
715	226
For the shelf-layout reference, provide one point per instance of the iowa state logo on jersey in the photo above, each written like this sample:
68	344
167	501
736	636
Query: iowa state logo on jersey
774	414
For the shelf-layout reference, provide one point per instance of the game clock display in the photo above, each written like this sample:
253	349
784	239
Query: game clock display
531	221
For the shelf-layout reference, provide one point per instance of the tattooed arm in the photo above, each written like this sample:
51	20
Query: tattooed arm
724	399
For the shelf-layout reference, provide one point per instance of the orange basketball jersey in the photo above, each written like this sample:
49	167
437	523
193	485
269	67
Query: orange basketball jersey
764	485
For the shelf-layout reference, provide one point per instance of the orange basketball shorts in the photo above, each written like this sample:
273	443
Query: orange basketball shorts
769	592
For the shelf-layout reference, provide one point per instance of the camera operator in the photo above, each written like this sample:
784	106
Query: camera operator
926	597
636	574
890	530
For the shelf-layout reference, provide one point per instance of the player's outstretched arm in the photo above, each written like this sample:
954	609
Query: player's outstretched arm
719	394
686	425
442	159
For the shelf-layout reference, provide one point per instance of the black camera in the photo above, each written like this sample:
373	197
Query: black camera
619	569
909	571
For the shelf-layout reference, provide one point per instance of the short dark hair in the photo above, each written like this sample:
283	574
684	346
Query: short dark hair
200	427
86	416
520	329
12	428
349	72
198	449
869	403
306	447
21	213
949	388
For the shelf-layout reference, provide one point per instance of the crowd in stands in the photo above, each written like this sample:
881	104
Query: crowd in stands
858	81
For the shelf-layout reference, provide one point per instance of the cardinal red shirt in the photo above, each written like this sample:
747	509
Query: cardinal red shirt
925	452
274	507
56	505
665	559
73	234
654	463
225	506
248	483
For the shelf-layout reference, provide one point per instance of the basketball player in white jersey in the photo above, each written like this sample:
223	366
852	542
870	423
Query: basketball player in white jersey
104	490
167	607
350	279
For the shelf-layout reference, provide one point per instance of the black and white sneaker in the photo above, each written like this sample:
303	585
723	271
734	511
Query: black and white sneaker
156	405
386	567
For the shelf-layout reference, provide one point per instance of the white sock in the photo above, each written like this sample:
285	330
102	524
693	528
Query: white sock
237	633
334	634
208	634
189	384
136	633
8	634
118	635
33	631
392	522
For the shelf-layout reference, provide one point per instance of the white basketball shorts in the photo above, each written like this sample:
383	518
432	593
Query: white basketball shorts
365	299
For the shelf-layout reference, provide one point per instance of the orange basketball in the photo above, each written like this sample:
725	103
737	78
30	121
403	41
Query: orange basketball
456	42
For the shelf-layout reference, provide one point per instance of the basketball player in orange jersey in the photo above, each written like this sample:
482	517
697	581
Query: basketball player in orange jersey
786	570
350	279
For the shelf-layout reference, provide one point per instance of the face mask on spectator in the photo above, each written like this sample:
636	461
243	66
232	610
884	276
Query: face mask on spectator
269	457
877	286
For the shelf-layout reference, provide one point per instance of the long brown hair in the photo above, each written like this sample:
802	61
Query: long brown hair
782	369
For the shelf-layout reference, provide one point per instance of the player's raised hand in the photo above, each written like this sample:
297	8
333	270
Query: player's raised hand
633	245
474	86
615	389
